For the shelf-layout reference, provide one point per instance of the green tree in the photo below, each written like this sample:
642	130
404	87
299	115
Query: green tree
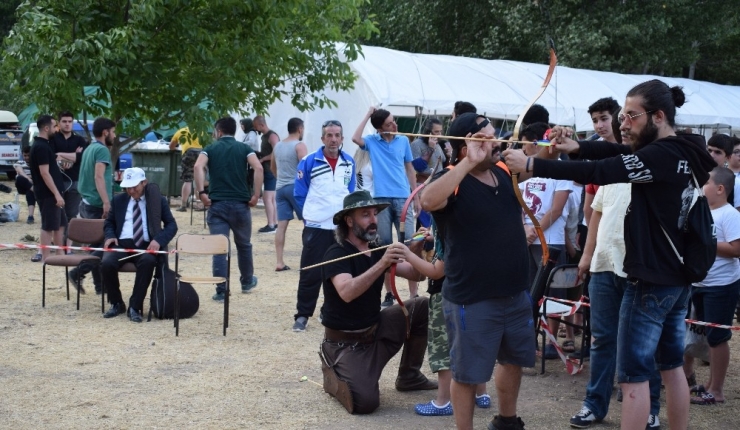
8	101
156	63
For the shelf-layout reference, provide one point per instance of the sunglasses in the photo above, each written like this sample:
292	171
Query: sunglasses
625	117
331	122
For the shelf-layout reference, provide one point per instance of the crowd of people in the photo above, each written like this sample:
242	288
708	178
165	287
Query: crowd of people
464	232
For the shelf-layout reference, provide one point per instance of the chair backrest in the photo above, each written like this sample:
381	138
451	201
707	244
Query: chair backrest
86	230
564	276
212	244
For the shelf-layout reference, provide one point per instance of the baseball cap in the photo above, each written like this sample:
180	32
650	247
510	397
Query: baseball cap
132	177
461	126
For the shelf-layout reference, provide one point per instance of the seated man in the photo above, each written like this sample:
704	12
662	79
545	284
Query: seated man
360	339
135	221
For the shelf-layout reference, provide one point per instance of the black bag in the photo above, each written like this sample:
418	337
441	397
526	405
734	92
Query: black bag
162	303
699	238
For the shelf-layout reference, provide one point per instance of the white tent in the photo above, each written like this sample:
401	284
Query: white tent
422	84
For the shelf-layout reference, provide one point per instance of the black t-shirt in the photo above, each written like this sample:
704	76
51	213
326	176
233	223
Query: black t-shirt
60	144
361	312
266	148
485	247
42	153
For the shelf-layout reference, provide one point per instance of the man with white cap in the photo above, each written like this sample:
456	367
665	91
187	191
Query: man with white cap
139	219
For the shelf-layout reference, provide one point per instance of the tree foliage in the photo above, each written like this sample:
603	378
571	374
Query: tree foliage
690	38
157	63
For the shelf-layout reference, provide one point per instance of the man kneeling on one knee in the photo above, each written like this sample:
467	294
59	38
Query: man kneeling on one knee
360	339
135	221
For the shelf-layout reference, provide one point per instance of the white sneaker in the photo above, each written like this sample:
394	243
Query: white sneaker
653	422
583	419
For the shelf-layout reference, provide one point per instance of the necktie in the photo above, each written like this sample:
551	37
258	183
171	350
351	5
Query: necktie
138	225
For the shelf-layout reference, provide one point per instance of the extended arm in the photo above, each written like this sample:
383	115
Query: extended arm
199	176
357	136
350	288
101	188
254	163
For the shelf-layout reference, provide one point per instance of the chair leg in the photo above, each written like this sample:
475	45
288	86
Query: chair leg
43	287
226	306
78	283
177	309
192	204
66	279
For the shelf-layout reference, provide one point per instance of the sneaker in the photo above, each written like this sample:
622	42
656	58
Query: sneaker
182	209
76	283
300	324
497	423
388	301
653	422
250	286
268	229
483	401
583	419
577	355
219	297
432	410
30	220
550	352
36	258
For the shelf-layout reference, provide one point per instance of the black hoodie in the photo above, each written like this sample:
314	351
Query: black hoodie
661	179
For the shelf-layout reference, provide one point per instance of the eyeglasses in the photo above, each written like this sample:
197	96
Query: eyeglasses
736	152
331	122
622	118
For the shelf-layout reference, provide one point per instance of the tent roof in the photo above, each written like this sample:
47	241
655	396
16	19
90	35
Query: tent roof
502	88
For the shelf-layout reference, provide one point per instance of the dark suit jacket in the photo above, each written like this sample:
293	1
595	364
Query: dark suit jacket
157	212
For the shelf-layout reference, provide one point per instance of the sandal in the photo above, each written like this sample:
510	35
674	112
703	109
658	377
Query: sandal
697	389
705	399
569	346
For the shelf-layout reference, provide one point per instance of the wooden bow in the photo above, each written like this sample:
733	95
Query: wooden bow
515	137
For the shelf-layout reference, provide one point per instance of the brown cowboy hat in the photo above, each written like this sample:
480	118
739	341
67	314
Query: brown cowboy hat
357	200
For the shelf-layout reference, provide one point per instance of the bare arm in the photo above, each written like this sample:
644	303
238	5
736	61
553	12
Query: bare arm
410	175
556	210
350	288
174	142
273	166
728	249
584	266
435	194
19	171
301	150
100	186
357	136
199	176
587	209
254	163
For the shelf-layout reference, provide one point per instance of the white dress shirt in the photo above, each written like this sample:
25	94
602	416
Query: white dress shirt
128	224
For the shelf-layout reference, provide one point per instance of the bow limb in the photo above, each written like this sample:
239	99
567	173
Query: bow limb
515	136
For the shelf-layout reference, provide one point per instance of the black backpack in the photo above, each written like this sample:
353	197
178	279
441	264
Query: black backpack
699	238
162	297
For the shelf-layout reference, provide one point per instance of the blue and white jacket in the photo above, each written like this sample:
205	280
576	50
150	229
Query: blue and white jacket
320	192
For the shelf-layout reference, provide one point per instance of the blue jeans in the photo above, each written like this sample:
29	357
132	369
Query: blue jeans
651	329
225	216
391	216
716	305
606	291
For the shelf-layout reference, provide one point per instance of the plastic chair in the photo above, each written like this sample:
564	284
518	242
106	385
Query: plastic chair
565	277
82	231
203	244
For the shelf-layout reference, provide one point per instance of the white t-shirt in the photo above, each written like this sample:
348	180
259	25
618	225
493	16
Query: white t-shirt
365	179
538	194
612	201
725	270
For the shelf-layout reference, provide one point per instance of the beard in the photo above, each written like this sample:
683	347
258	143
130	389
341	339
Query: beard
647	135
364	233
109	141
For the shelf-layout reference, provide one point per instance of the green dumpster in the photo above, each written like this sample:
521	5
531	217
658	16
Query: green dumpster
162	167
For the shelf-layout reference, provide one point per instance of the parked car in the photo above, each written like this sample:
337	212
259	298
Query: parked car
10	143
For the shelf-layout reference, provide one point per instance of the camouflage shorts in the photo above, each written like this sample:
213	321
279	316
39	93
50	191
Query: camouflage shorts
188	162
437	346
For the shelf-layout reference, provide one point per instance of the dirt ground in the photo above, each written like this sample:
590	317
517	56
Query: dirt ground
64	369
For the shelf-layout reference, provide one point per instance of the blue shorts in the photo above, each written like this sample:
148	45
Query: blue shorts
651	330
270	181
286	204
716	305
480	333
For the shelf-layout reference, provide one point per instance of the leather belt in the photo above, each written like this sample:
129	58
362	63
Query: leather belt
339	336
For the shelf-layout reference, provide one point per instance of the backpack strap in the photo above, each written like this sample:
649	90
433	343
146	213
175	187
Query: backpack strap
698	192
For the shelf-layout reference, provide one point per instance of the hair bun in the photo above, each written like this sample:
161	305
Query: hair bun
679	98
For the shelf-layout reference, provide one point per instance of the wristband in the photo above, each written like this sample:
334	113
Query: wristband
527	166
202	192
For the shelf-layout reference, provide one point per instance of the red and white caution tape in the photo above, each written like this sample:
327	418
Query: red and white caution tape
82	248
570	365
708	324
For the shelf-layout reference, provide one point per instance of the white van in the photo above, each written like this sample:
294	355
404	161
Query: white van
10	143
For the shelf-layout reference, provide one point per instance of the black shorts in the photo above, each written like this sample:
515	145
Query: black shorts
52	216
